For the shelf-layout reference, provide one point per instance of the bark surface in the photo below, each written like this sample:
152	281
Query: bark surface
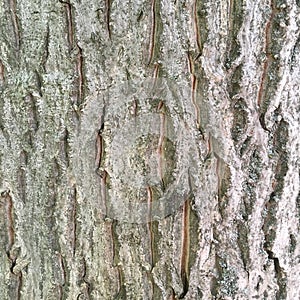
237	235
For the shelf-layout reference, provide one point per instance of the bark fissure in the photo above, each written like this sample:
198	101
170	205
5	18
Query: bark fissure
69	19
154	34
99	149
185	248
280	277
16	23
274	33
9	224
80	73
194	82
160	148
74	220
200	25
268	58
2	73
45	54
150	229
235	19
21	174
107	17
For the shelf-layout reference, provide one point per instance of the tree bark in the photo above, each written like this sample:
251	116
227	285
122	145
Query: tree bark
236	236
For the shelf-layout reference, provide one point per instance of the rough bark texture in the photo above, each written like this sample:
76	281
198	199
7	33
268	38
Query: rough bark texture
237	237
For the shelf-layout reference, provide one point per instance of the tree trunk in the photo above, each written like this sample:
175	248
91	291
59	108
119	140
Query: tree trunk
222	83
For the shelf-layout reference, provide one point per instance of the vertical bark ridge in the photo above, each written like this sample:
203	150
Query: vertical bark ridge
242	75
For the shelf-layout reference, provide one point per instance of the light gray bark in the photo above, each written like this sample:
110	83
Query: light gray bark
237	236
